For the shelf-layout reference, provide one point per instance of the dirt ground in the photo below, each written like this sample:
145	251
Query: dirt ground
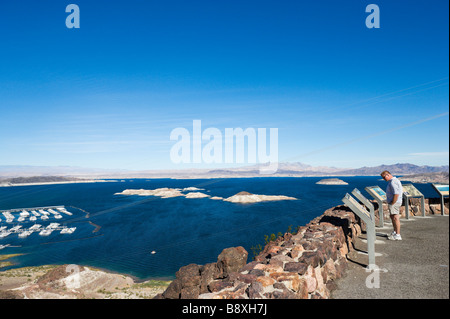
73	282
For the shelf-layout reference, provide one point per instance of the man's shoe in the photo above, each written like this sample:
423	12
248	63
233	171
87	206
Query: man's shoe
395	237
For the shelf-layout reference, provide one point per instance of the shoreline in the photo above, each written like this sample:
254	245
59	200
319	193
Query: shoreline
56	183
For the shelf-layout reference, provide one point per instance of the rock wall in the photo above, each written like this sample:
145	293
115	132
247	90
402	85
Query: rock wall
301	266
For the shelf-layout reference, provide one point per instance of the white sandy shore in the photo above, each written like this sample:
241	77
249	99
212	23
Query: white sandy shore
54	183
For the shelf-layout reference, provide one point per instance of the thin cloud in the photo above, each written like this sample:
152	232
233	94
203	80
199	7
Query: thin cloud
430	154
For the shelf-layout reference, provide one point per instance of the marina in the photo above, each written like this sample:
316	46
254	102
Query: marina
27	215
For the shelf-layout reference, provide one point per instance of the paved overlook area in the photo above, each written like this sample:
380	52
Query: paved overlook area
416	267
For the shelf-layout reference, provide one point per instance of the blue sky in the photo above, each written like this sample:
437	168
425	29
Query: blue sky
108	94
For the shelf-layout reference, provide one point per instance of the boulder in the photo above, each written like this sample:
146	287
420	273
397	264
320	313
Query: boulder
231	260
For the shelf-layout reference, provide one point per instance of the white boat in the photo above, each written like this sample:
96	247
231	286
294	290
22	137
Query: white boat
15	228
53	226
64	210
68	230
25	233
3	228
3	246
44	217
35	213
24	213
21	219
33	218
43	212
3	234
45	232
35	227
58	216
9	217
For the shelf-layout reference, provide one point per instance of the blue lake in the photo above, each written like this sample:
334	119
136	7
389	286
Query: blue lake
119	233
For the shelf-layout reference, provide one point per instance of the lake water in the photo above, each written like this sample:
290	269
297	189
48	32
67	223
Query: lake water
179	230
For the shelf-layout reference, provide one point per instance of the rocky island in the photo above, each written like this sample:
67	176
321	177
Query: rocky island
331	181
246	198
160	192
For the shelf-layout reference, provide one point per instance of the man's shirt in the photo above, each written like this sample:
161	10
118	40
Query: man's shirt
394	187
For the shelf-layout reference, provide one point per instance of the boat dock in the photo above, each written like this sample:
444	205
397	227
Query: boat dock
34	213
27	215
43	231
57	207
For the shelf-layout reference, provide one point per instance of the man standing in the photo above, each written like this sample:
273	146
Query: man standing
394	192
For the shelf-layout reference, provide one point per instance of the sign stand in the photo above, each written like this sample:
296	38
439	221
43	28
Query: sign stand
365	202
380	196
443	191
409	191
366	217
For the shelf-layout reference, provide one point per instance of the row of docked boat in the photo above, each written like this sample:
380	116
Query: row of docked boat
43	231
34	214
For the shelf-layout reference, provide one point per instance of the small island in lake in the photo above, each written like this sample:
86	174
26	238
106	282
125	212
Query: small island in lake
246	198
331	181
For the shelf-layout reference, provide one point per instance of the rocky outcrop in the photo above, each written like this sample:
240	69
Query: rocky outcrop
304	265
73	282
193	280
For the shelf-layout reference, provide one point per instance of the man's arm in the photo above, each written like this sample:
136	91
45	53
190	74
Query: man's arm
394	199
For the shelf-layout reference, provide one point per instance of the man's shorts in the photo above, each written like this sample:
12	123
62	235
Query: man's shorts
394	209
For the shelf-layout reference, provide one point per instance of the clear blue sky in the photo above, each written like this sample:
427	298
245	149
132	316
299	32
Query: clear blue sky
108	95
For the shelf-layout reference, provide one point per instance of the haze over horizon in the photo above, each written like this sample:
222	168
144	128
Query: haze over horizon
109	94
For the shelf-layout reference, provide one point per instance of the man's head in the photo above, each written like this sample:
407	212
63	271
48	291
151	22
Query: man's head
387	176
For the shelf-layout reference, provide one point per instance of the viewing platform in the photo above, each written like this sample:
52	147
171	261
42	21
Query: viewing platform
417	267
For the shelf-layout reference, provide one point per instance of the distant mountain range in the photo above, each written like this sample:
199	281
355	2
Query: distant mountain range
300	169
295	169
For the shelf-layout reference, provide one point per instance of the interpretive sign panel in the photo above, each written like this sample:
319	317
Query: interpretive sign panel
411	191
365	202
442	189
376	192
358	206
380	196
362	212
